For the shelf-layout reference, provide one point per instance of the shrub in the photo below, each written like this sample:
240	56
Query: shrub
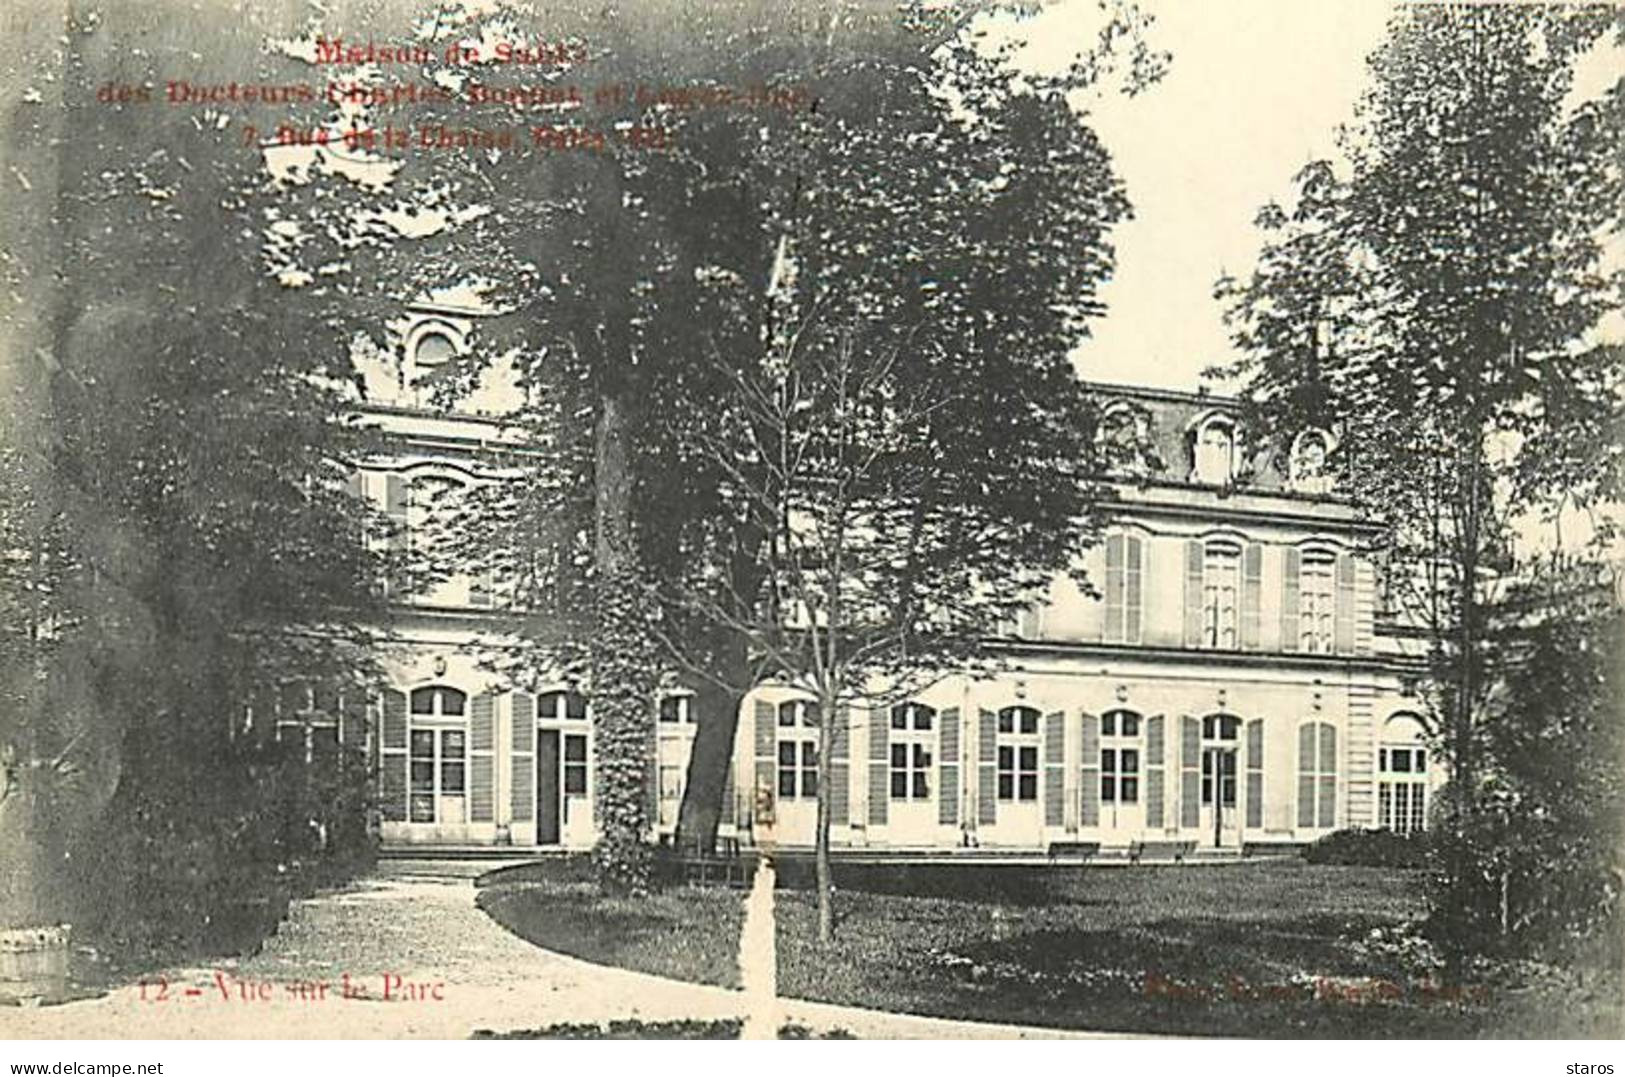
206	840
1372	849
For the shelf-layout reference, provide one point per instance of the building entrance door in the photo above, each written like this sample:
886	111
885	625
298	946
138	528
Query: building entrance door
548	814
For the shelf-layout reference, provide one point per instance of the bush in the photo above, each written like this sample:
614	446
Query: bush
1371	849
206	840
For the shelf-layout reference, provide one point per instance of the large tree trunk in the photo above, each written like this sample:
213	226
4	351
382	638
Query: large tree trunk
823	873
716	724
625	678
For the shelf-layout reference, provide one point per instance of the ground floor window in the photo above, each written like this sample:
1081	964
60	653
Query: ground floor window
575	764
1220	734
1402	789
1018	754
437	768
798	769
1120	775
912	742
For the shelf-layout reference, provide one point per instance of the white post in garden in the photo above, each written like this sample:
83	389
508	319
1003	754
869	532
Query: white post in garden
758	961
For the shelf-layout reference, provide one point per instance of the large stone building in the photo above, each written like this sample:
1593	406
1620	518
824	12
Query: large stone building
1235	683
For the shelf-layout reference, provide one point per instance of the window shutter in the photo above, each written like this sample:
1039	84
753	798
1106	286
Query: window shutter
840	783
397	500
1114	589
392	764
1345	604
353	718
766	743
1289	598
1190	772
522	805
1089	800
730	794
1133	587
481	760
1328	776
1055	768
1306	775
1193	593
987	780
879	765
1255	773
1252	580
948	767
1155	756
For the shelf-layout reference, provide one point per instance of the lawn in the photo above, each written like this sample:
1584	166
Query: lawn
1261	949
684	933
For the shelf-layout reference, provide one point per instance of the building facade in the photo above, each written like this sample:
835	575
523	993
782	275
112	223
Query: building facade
1233	684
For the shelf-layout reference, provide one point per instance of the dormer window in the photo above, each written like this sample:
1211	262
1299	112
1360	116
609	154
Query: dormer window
431	349
1214	453
1309	471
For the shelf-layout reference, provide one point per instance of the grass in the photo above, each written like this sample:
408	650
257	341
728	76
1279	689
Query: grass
1263	949
685	933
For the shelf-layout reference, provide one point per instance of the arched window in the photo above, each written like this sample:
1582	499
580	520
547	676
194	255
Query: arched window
1018	754
433	349
437	754
1317	601
439	701
1120	757
1402	776
1308	466
1221	586
1317	775
912	741
1213	457
798	749
1219	731
561	706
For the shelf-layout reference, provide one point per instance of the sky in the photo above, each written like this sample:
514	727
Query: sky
1256	90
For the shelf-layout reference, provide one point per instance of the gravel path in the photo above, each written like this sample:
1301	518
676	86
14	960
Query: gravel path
412	933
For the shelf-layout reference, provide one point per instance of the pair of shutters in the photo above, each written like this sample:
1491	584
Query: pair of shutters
1249	619
1052	766
766	750
1291	609
947	776
393	757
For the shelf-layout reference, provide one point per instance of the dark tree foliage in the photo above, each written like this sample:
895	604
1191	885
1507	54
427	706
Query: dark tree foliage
1546	840
1438	299
177	531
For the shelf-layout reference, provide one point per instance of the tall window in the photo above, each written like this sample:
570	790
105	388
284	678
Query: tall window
798	750
1219	767
1215	452
437	750
1317	775
911	741
1402	789
1018	754
1124	587
1221	581
1120	757
1317	602
575	764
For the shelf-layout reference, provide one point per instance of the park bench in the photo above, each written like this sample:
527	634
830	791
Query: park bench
1080	850
726	865
1160	850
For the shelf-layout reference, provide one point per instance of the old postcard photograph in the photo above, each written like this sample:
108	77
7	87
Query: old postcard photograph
811	520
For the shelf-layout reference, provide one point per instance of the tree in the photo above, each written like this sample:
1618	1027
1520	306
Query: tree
1437	299
177	529
911	459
